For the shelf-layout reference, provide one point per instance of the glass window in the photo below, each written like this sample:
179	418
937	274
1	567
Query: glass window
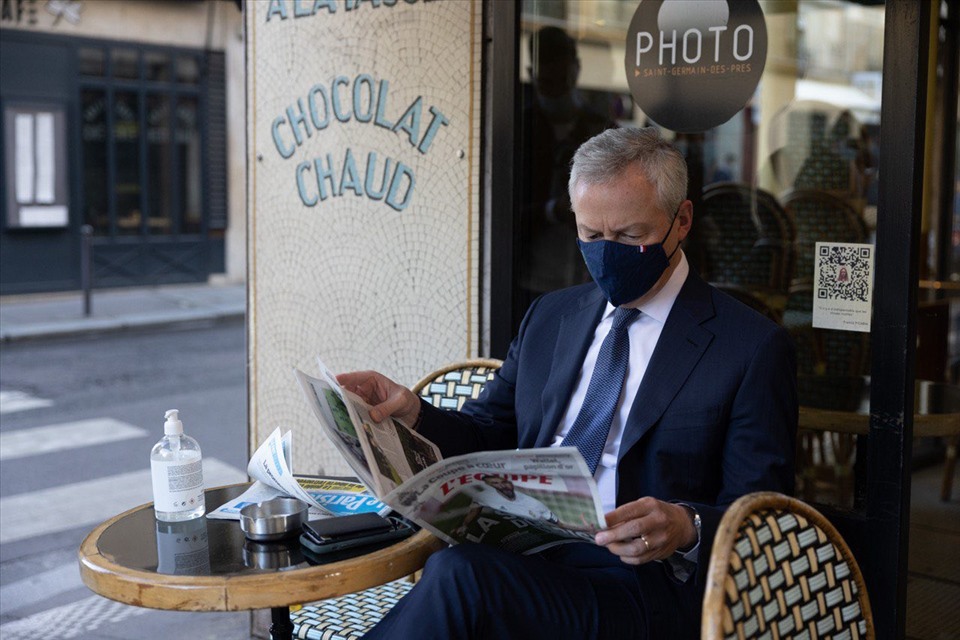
93	136
126	64
91	62
796	166
188	160
126	137
155	163
188	70
159	164
157	66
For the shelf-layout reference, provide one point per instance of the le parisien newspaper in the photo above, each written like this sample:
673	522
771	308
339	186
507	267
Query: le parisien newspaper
270	467
522	500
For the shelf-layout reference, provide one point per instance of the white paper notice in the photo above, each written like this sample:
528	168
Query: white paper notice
40	216
843	286
24	163
46	159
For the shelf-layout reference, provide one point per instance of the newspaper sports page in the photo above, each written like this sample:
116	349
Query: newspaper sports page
521	500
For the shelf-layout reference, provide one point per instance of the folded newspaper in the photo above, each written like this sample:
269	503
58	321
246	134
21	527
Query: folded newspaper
270	468
522	500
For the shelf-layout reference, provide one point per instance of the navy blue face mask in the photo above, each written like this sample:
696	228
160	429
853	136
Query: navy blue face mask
625	272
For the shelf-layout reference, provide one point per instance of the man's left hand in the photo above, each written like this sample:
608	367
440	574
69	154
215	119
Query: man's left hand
647	529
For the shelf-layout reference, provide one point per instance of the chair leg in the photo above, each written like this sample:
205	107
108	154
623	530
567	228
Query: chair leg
282	627
949	464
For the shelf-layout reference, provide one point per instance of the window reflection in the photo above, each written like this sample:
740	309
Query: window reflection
188	70
796	166
159	163
126	64
157	66
126	135
93	136
188	156
91	61
145	137
557	119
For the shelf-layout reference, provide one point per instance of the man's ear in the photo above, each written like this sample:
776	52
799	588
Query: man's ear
684	219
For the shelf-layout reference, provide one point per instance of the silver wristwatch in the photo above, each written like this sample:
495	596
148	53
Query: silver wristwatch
695	518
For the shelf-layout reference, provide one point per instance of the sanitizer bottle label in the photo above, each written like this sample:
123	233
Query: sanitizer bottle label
177	485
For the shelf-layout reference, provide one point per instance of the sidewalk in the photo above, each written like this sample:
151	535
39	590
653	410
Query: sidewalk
61	314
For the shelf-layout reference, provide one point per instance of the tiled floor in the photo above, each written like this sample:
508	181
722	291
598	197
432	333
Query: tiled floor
933	587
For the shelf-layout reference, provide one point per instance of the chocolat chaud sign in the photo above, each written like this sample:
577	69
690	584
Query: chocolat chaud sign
693	64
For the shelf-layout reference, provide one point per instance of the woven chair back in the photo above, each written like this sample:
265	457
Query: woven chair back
779	569
450	386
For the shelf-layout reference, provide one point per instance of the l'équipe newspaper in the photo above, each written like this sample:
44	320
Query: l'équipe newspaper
270	467
522	500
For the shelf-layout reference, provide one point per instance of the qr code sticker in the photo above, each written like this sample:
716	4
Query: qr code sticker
844	272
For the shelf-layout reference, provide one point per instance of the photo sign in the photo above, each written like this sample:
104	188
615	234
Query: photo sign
693	64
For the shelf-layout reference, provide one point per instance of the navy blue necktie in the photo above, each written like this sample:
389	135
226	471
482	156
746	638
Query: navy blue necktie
590	429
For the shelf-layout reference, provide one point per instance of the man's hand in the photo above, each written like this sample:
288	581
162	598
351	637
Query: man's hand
664	526
386	397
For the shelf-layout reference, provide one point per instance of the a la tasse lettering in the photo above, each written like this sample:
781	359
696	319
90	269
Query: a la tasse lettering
690	44
366	102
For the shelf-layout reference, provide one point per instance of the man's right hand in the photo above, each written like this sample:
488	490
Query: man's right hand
386	397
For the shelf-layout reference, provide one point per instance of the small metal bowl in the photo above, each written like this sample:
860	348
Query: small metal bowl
274	519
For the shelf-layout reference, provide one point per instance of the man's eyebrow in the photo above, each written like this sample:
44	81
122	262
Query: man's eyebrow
583	227
634	228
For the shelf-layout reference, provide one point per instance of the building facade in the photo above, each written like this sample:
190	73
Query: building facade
125	117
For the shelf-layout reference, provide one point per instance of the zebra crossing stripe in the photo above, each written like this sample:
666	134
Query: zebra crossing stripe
70	620
39	587
11	401
90	502
67	435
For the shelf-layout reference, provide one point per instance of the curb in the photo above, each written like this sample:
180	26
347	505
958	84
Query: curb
60	329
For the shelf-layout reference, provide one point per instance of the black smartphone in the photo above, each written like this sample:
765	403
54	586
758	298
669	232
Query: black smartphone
345	532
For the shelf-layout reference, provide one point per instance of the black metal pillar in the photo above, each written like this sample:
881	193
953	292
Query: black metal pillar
893	336
86	267
502	42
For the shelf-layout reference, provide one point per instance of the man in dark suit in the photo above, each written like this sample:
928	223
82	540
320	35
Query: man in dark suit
702	410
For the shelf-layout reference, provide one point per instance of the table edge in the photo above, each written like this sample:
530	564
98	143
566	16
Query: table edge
242	592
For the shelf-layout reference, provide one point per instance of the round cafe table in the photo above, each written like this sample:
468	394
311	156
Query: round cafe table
208	565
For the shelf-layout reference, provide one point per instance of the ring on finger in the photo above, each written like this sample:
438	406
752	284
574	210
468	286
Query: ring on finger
645	543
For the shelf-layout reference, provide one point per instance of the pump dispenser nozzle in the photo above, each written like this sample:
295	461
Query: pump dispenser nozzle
173	426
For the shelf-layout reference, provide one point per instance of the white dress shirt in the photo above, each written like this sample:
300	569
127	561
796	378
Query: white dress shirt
644	333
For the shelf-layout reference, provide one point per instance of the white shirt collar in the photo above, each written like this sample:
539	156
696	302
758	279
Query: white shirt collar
660	305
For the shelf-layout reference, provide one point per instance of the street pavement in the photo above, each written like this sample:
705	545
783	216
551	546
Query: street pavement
62	314
41	594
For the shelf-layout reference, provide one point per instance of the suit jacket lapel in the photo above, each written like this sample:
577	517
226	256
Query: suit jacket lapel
573	341
678	350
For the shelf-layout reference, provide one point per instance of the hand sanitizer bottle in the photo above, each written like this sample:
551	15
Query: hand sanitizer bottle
177	473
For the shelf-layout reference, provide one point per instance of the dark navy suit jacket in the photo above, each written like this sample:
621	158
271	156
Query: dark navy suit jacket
715	416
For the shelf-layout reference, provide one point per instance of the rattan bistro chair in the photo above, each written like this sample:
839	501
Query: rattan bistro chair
779	569
349	617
